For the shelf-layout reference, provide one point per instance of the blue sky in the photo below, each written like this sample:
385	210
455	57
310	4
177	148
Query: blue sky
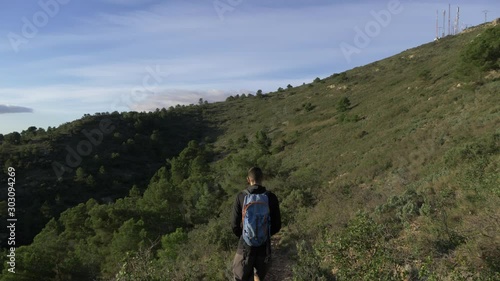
60	59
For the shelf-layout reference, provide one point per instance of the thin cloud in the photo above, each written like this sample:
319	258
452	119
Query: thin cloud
14	109
173	97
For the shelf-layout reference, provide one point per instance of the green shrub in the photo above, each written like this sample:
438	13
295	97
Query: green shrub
346	118
344	104
308	106
404	207
171	243
359	252
425	75
484	51
308	265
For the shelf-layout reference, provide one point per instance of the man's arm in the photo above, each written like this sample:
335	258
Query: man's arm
236	217
274	207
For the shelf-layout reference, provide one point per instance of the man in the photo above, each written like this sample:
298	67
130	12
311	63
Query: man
248	258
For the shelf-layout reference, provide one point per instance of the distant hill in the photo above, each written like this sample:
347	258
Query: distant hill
390	171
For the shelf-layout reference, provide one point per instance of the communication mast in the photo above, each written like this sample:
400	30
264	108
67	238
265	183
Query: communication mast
449	19
444	22
437	24
457	21
486	15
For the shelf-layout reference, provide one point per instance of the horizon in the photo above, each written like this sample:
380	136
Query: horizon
62	59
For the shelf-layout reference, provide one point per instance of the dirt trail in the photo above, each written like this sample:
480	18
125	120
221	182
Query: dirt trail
281	267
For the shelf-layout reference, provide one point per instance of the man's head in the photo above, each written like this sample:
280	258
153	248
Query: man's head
255	176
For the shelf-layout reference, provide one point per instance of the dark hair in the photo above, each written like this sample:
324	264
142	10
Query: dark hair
256	174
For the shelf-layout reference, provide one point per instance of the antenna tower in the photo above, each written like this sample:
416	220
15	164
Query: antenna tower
444	22
437	24
486	15
449	19
457	21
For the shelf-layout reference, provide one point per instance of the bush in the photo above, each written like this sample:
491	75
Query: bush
344	104
425	75
171	244
484	51
307	267
405	207
342	77
359	252
308	106
138	267
346	118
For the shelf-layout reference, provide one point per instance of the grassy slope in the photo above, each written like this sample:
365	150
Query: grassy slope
415	113
413	108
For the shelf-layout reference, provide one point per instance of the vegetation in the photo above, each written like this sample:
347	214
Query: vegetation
484	51
344	104
381	176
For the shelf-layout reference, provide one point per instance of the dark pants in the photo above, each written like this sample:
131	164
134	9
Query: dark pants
249	259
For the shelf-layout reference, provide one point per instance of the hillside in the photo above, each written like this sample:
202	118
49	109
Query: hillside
390	171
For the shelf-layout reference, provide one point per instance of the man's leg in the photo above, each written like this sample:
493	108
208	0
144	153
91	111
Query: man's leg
243	266
262	265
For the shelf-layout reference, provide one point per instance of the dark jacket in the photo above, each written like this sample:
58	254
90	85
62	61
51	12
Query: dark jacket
274	210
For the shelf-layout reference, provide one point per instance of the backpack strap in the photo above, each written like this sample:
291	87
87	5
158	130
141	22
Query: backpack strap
243	207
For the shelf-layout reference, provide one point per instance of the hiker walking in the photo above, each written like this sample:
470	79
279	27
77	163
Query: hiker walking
255	217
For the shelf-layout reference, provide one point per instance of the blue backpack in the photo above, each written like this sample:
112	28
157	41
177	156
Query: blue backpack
256	219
